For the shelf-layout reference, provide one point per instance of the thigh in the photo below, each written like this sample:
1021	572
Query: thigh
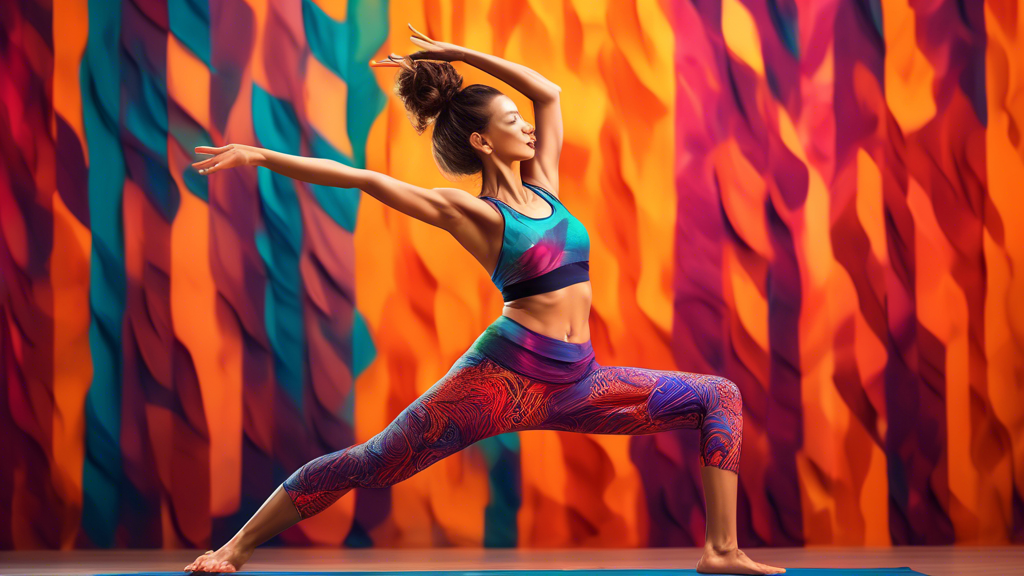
628	400
472	401
476	399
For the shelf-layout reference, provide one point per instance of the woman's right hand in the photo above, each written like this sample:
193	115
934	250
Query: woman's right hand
224	157
433	51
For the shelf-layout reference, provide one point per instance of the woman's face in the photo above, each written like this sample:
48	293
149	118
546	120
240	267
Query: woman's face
508	134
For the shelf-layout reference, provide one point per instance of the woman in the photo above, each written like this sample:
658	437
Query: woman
533	368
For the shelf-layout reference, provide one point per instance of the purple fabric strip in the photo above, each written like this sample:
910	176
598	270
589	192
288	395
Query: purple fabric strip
535	355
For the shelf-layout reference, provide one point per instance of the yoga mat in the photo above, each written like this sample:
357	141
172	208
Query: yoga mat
794	571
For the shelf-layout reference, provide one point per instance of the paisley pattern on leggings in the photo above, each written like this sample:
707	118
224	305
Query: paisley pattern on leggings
479	398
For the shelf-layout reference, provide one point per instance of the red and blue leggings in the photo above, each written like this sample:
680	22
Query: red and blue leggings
513	379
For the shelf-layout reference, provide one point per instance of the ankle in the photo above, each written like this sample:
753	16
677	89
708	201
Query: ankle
722	547
240	542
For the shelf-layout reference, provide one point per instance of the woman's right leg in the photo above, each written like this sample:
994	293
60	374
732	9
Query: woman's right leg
476	399
273	517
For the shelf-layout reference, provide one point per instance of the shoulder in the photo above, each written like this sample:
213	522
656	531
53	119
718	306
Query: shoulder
467	205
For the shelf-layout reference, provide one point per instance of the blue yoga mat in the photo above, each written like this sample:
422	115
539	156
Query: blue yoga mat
795	571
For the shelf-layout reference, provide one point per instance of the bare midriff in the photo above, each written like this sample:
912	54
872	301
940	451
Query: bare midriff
563	314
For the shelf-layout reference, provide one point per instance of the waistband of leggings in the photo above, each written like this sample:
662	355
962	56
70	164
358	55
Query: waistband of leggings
544	345
535	355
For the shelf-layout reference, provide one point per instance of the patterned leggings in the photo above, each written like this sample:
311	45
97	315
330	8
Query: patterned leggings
514	379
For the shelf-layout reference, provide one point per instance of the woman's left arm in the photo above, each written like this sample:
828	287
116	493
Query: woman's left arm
529	82
542	169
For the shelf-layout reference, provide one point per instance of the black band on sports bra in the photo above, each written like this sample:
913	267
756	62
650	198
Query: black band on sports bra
558	278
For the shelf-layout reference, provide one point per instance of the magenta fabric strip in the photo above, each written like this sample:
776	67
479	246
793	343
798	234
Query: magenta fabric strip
532	354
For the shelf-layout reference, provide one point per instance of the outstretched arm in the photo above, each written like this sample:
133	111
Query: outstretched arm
439	207
313	170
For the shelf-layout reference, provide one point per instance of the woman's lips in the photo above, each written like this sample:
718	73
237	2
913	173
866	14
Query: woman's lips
532	145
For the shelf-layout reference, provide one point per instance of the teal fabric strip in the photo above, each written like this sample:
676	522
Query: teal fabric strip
346	51
280	244
100	78
190	24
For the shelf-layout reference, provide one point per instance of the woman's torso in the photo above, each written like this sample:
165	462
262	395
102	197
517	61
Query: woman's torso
544	255
562	314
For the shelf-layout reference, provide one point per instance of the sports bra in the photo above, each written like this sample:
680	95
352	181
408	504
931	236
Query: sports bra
540	254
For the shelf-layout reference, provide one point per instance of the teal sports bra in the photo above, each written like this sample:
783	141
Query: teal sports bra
540	254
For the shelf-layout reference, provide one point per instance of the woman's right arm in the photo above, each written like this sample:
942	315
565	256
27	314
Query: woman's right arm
439	207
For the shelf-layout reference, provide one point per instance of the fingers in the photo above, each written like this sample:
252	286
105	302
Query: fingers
392	61
205	162
212	150
208	171
418	33
224	160
207	165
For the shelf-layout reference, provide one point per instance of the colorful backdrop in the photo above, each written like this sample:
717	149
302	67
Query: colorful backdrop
820	200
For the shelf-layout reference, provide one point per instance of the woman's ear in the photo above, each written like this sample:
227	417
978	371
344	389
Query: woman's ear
476	140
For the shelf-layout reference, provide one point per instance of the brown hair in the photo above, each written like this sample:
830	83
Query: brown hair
431	93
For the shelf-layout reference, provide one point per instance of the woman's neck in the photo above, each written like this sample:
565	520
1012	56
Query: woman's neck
504	181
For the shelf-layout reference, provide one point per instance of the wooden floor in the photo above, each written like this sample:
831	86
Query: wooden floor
936	561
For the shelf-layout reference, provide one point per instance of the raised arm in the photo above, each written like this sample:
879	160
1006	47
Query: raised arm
542	169
529	82
439	207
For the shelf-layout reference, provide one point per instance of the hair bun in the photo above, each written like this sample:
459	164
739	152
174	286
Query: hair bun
427	89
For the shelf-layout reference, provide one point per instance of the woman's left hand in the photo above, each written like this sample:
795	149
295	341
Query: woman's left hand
433	51
224	157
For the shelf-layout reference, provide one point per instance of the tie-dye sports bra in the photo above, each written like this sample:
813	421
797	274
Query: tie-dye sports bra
540	254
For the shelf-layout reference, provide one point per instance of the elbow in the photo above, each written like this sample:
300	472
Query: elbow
549	95
361	178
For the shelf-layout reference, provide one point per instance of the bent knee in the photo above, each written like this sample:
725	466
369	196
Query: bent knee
728	395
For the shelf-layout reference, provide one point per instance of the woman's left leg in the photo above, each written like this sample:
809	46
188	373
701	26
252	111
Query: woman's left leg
626	400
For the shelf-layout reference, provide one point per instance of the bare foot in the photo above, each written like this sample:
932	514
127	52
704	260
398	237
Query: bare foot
227	559
732	561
